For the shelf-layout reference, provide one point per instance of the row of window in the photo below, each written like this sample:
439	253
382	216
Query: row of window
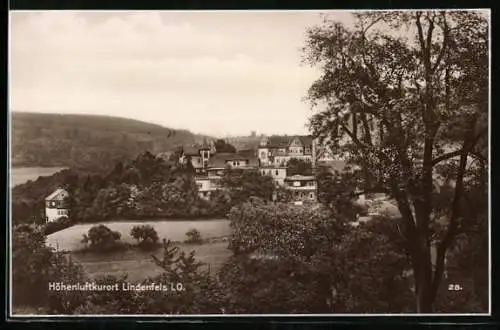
54	204
304	195
62	212
269	172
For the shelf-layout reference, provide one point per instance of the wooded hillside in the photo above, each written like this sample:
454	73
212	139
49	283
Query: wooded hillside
40	139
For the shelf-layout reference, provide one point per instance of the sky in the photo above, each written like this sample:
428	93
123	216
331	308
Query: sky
216	73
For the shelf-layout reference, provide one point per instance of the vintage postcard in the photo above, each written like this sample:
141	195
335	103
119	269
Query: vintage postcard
214	163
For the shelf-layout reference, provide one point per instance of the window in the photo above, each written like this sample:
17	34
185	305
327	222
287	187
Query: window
311	195
53	203
277	173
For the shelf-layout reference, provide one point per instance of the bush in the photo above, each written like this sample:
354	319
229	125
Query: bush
193	237
102	239
57	225
146	236
34	266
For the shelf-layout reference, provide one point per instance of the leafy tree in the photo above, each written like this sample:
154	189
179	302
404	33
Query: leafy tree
402	106
221	146
146	235
338	191
31	262
243	184
298	167
303	260
64	270
200	292
34	266
102	239
118	302
193	236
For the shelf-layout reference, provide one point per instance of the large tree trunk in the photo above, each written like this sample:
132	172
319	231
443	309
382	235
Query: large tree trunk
423	286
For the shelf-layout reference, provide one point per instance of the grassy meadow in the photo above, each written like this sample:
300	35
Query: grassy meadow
138	264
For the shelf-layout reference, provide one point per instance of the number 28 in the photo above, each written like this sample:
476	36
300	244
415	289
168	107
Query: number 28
454	287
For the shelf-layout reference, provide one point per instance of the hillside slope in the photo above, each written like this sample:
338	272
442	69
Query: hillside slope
40	139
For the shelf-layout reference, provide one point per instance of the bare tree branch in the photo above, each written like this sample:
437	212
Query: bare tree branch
444	46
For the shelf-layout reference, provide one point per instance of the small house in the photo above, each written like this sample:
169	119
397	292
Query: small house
56	205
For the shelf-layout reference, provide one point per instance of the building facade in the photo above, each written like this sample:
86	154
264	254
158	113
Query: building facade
278	150
56	205
303	188
270	157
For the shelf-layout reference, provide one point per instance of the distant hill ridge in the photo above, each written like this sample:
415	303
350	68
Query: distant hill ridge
43	139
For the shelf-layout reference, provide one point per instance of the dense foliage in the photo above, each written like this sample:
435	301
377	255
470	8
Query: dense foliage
145	235
221	146
35	265
411	111
298	167
193	236
147	187
73	140
305	260
102	239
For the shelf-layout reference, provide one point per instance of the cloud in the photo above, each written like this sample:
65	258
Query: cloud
145	66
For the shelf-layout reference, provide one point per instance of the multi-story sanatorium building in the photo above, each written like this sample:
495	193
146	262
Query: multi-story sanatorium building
270	158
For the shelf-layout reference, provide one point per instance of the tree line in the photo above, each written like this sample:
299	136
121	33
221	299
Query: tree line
148	187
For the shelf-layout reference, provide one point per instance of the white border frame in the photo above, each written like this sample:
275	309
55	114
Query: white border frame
189	316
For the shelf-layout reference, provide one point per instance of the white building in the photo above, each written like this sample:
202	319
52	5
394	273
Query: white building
303	188
278	150
276	172
55	205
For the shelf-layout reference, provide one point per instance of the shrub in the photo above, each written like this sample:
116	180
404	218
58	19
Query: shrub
64	270
193	237
57	225
34	266
102	239
146	236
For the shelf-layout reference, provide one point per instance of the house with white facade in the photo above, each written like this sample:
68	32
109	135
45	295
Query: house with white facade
270	157
56	205
303	188
278	150
208	180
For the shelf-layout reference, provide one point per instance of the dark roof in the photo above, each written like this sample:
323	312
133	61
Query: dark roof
190	151
281	141
219	159
336	165
55	195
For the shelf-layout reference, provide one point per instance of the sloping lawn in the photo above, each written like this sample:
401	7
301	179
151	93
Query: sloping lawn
69	239
139	265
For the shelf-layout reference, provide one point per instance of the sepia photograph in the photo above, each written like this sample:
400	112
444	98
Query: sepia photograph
249	163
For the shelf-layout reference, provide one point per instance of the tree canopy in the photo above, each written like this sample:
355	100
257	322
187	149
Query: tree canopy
411	109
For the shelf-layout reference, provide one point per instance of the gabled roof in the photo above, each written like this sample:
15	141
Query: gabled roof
281	141
336	165
55	194
219	160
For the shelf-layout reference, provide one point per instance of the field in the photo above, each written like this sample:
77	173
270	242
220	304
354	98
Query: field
137	264
20	175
